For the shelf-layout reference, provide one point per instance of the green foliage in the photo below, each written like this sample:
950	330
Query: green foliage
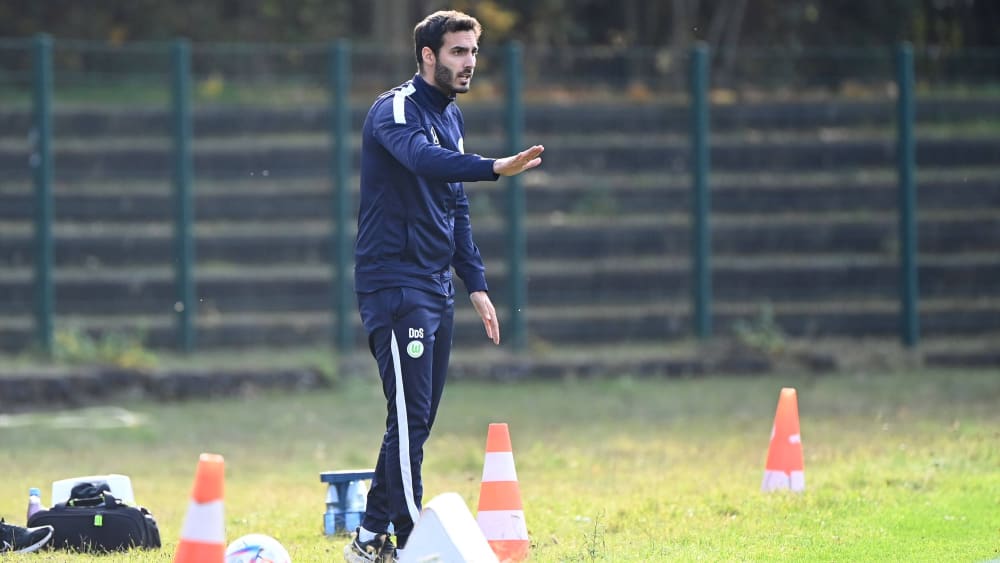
945	24
123	349
596	546
222	20
761	333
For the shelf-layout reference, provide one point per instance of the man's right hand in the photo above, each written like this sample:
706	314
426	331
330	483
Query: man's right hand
524	160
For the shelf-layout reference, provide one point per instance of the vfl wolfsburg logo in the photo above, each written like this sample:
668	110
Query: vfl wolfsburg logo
415	349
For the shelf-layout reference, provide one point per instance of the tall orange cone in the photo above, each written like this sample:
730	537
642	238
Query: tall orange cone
785	468
501	514
203	537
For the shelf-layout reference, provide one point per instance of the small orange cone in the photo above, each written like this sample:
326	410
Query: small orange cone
501	515
785	468
203	537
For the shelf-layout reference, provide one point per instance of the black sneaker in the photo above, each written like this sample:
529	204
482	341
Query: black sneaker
21	540
379	550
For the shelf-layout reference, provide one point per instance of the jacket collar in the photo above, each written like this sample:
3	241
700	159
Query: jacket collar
431	95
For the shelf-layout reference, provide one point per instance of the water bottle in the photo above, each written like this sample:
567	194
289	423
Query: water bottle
332	508
34	501
355	503
359	497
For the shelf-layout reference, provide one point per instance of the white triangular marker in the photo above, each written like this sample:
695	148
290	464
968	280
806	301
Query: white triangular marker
447	532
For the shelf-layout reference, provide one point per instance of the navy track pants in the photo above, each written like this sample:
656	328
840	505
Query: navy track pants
410	334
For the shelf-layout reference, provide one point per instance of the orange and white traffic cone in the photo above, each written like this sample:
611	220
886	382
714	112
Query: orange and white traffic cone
203	537
501	514
785	468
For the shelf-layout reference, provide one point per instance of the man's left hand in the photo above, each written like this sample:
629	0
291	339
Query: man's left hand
481	301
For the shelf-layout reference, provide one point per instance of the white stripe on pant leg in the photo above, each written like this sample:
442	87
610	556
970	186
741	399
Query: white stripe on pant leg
403	429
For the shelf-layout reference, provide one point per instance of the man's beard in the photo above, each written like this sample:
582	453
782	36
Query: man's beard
445	80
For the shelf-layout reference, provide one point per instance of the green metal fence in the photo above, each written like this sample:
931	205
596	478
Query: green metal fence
681	192
41	162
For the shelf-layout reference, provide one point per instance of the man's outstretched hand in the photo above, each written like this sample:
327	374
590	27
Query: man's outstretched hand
524	160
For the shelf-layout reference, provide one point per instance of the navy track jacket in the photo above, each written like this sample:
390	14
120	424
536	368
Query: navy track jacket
413	222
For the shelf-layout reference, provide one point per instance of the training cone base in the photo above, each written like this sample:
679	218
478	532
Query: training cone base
785	467
203	536
501	514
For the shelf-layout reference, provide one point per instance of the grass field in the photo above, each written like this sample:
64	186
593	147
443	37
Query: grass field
899	466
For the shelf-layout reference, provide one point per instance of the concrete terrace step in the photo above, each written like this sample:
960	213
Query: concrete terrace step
231	372
669	236
804	221
582	325
560	283
299	162
588	117
52	387
832	354
615	195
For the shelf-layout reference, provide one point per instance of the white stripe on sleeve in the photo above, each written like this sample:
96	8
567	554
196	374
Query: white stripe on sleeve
399	103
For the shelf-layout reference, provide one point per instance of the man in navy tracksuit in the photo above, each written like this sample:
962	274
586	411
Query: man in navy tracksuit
413	228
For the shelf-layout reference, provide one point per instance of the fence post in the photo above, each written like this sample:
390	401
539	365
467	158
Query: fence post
906	163
340	116
185	306
515	200
41	161
701	238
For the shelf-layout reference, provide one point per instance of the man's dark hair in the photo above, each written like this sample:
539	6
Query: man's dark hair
430	32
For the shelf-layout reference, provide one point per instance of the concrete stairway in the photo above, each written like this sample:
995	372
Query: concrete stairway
804	223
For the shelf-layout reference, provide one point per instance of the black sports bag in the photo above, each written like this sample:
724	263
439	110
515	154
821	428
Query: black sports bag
93	520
